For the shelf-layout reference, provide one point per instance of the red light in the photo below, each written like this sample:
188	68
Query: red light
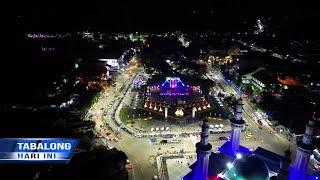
214	178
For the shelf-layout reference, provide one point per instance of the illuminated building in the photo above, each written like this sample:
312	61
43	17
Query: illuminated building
178	98
260	164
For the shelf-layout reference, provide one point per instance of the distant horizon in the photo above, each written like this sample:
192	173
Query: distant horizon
144	16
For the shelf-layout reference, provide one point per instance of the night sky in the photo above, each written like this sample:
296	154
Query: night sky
159	15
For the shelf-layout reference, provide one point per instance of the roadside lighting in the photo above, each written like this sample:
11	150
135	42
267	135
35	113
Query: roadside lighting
239	156
229	165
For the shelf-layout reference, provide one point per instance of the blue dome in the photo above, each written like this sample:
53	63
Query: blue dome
248	168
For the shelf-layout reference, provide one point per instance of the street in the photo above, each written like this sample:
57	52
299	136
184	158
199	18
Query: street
272	142
142	153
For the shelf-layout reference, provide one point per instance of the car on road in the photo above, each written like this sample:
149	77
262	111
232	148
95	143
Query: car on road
249	136
164	141
115	139
138	135
176	136
222	138
175	140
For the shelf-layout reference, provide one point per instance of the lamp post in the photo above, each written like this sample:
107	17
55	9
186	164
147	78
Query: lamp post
261	143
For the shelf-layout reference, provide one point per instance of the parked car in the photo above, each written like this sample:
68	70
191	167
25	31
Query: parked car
164	141
222	138
249	136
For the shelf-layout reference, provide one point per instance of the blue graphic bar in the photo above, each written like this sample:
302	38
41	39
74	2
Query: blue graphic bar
37	150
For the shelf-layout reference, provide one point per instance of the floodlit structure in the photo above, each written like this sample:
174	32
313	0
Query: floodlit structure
237	124
203	153
234	162
179	112
194	112
166	113
304	149
180	99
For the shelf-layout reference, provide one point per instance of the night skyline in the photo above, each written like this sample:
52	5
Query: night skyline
144	16
164	90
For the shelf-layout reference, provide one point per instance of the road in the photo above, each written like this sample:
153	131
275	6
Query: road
143	166
272	142
142	153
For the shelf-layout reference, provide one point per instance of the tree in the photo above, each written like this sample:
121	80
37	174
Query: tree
277	89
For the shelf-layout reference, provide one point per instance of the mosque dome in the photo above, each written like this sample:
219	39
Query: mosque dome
248	168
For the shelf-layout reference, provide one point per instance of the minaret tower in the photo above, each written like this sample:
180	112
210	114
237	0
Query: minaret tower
237	124
304	149
283	171
203	153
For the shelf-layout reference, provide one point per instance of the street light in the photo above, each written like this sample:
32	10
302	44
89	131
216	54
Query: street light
239	156
229	165
261	143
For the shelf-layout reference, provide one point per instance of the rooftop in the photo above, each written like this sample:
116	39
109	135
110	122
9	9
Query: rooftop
266	77
225	148
249	65
268	154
